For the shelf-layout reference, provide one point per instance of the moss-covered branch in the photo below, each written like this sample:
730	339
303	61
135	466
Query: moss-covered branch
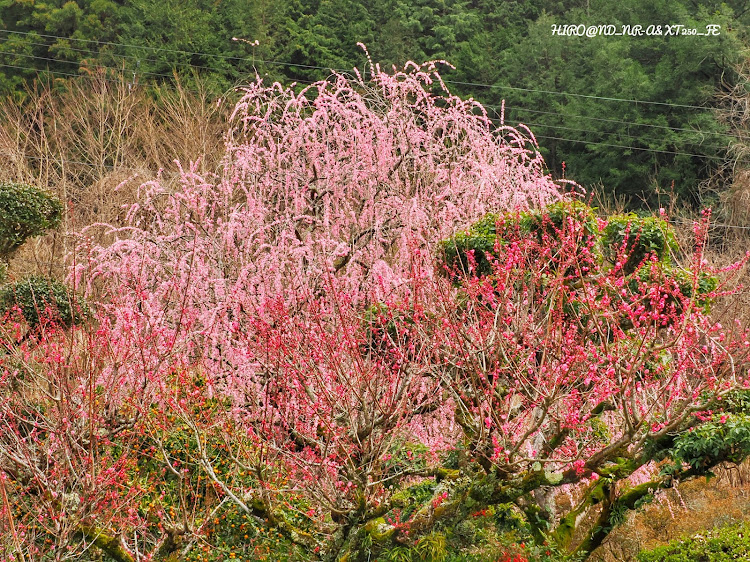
110	545
628	500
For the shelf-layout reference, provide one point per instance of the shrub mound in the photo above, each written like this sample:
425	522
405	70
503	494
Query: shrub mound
718	545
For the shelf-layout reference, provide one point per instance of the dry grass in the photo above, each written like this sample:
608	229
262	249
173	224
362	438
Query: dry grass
95	142
691	508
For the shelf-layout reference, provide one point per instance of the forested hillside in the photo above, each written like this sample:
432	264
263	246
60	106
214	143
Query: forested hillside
578	94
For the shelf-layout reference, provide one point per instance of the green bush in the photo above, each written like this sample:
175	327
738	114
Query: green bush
737	401
725	438
718	545
705	284
670	278
25	211
480	238
483	235
639	238
557	217
34	295
429	548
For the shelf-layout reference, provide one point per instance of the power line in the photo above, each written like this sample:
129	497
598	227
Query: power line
73	75
562	127
704	156
551	92
509	108
104	78
175	51
137	59
628	123
314	67
156	74
594	143
588	131
79	63
77	75
99	65
494	107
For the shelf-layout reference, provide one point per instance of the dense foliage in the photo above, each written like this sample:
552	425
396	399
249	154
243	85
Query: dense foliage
718	545
39	298
382	331
25	211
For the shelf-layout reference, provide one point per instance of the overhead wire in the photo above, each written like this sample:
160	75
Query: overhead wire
79	75
508	108
587	96
79	63
588	131
477	84
316	67
136	58
95	66
177	51
626	147
159	75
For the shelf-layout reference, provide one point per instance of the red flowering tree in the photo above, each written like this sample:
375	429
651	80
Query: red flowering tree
338	341
581	351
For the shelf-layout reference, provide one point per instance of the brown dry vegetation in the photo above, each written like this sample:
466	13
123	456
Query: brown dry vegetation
690	509
94	141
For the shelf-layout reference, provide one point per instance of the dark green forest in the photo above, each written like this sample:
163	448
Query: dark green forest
634	115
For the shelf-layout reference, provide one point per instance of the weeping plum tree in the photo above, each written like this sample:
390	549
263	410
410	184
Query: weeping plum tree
338	339
224	299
